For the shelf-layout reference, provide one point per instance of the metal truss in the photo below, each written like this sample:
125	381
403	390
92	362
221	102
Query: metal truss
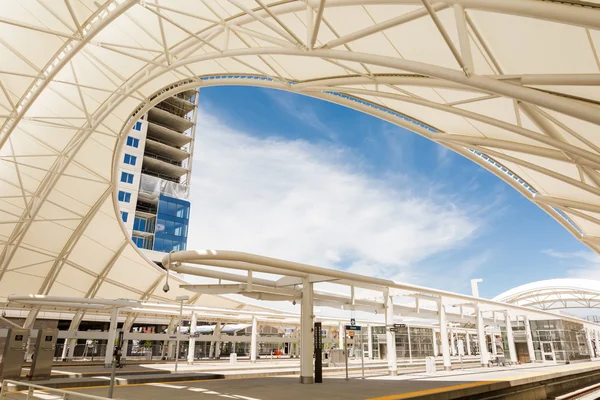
89	85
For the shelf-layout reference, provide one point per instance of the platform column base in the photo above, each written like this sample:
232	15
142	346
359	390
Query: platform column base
307	379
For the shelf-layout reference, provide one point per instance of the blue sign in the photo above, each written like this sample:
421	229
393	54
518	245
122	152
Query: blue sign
352	328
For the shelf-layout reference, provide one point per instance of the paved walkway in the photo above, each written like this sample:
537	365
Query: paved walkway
336	387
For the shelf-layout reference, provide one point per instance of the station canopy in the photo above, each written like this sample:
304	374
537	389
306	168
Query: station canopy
513	85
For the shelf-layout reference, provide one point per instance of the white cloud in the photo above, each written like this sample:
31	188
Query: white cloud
309	203
579	264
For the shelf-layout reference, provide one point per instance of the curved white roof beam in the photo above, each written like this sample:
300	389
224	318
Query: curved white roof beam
512	85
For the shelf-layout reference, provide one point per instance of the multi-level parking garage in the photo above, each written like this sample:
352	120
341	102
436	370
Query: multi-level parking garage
511	85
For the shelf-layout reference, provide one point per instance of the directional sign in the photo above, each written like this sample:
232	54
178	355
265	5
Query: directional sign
399	326
352	321
352	328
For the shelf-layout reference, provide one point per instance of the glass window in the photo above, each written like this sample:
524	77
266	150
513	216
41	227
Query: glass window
129	159
139	224
126	177
138	126
124	196
124	215
133	142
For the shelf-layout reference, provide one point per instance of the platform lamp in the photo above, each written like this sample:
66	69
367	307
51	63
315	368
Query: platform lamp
180	299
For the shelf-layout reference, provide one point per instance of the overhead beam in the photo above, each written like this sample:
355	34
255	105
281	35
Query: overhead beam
444	33
381	26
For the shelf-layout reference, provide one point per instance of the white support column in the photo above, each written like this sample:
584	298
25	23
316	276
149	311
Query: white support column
69	346
112	335
436	350
588	336
166	344
341	334
444	336
494	349
370	341
192	344
218	341
485	357
468	344
453	351
529	338
510	338
306	333
389	335
253	339
409	344
597	343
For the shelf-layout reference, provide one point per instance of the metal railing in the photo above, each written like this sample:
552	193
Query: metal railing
33	392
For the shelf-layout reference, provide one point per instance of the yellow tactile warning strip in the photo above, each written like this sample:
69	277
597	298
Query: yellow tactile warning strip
445	389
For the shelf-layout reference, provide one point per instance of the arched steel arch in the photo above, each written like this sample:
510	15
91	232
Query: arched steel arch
512	85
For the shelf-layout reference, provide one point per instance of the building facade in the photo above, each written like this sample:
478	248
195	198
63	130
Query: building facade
155	175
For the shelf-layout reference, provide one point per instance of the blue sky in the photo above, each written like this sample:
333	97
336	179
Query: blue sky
289	176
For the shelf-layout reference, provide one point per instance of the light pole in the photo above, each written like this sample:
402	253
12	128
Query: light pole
180	299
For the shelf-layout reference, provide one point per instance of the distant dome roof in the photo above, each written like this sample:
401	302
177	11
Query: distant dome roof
555	294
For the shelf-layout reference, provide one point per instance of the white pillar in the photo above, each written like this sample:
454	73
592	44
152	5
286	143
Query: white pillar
597	343
468	339
192	343
444	336
341	334
218	341
588	336
306	333
112	335
389	335
494	349
370	341
436	350
529	339
485	357
452	341
510	338
253	339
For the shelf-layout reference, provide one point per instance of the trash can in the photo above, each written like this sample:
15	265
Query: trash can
430	365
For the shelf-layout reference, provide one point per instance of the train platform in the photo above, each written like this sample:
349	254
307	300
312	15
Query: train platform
535	381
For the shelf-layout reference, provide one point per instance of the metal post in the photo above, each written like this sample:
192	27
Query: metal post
444	336
436	350
346	353
116	362
362	352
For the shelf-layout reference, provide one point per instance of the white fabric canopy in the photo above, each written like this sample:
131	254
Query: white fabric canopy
513	85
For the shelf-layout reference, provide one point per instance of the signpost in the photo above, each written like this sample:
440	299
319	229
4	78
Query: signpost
318	346
353	328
